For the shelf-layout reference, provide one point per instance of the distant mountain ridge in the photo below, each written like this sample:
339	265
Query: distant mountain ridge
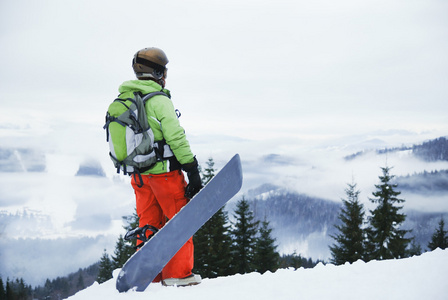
432	150
425	182
434	181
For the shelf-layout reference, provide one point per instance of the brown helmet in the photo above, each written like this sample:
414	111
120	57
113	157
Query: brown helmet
150	63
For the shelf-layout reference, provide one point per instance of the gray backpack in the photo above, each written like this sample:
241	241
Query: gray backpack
131	140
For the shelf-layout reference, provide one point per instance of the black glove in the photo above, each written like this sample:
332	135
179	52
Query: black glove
194	179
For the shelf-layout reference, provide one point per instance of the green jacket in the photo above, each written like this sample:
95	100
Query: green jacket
163	121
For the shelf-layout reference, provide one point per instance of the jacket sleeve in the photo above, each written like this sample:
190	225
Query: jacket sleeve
174	135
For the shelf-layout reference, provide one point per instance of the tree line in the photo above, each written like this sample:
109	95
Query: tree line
59	288
380	235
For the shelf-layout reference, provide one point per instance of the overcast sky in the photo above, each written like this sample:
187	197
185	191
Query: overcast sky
252	69
255	77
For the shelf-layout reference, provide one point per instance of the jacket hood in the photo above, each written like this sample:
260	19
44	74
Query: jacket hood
143	86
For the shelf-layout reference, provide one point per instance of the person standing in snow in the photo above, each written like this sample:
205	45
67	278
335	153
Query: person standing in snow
163	190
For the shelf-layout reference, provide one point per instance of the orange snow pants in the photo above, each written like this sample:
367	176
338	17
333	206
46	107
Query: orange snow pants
158	200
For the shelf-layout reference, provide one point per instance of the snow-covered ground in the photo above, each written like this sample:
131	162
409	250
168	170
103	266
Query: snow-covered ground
419	277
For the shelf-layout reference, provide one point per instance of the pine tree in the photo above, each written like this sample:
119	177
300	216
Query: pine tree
209	171
414	249
266	256
440	237
2	290
21	289
212	247
385	238
105	268
244	233
48	289
124	249
349	245
80	283
212	241
9	291
201	245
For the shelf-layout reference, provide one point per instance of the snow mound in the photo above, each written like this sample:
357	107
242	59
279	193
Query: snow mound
419	277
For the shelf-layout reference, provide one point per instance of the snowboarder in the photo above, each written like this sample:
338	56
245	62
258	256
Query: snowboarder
162	191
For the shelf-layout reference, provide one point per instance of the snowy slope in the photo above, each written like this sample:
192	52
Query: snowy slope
422	277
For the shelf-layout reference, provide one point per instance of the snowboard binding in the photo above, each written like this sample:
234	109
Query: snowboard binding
139	233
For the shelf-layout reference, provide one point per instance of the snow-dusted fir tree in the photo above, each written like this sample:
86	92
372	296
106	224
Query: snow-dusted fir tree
209	171
212	242
244	236
266	256
2	290
440	237
349	246
122	252
105	268
386	239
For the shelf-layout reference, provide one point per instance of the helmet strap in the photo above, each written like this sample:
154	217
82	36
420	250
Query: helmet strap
148	63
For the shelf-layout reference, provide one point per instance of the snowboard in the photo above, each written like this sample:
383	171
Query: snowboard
142	267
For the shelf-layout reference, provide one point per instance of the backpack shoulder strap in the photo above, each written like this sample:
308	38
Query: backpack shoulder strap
150	95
